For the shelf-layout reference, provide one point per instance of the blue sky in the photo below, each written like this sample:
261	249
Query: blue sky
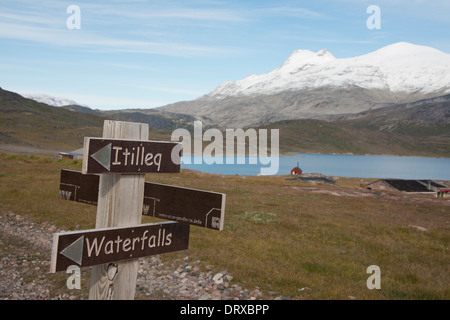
144	54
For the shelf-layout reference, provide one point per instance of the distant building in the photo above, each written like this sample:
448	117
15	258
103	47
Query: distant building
432	185
76	154
65	155
443	193
409	186
296	171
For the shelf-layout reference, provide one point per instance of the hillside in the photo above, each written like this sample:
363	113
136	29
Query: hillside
29	125
420	128
318	103
318	136
162	122
423	118
417	128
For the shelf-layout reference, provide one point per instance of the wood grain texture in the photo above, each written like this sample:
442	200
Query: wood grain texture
120	202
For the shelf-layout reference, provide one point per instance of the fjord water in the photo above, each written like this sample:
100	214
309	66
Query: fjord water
362	166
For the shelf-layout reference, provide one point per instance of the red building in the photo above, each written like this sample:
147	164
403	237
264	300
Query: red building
65	155
296	170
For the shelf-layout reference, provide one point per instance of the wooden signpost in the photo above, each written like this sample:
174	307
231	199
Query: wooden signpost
195	207
75	186
120	160
97	246
129	156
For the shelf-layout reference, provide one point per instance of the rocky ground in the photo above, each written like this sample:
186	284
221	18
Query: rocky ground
374	194
25	249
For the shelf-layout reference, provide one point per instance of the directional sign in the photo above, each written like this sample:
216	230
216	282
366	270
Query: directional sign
130	156
97	246
79	187
195	207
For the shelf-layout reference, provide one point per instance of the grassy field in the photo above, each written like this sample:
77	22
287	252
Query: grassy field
278	236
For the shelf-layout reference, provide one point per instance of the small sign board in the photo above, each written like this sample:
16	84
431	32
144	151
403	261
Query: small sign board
75	186
98	246
130	156
196	207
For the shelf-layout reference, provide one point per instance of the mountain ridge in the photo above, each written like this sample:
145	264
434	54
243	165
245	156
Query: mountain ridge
399	67
34	127
417	119
311	85
50	100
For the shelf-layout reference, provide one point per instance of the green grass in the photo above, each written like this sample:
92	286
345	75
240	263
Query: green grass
257	217
277	237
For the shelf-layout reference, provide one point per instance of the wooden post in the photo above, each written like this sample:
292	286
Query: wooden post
120	201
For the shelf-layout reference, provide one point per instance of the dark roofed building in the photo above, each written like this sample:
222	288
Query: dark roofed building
418	186
408	185
432	185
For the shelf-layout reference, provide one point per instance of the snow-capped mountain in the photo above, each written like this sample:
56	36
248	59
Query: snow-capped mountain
50	100
321	86
400	67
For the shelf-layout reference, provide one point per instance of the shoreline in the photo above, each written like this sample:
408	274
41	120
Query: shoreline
300	154
283	170
306	174
35	150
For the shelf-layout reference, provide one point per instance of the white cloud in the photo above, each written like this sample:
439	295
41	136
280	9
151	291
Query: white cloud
115	27
292	12
99	43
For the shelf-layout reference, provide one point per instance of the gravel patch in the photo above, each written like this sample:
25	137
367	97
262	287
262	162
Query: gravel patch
25	249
